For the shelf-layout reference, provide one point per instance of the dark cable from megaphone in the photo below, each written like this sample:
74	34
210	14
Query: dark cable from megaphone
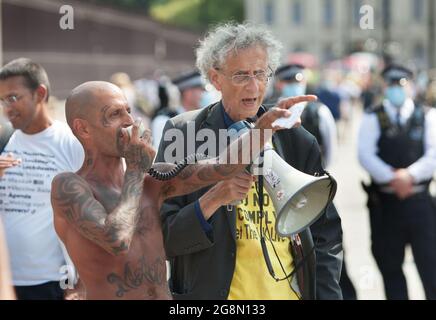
164	176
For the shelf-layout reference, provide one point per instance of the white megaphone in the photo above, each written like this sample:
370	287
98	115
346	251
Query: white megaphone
299	199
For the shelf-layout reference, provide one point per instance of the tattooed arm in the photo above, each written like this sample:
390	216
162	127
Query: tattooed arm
205	172
210	171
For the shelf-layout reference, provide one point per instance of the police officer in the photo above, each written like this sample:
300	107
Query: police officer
397	146
316	118
191	87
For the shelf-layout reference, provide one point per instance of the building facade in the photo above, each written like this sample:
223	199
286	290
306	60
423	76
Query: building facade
330	29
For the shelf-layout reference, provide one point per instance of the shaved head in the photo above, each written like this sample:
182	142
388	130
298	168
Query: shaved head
86	100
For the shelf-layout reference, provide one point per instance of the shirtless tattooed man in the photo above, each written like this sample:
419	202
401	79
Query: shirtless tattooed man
108	216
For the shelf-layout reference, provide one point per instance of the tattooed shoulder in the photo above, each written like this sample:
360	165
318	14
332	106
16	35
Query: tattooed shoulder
70	191
68	181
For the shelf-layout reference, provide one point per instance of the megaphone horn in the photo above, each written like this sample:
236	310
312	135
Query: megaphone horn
299	199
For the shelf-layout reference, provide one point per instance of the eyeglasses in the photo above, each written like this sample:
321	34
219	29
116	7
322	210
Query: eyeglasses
6	102
244	79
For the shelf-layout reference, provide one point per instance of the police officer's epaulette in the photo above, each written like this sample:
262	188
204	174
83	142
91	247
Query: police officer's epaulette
166	112
382	117
310	112
314	105
419	109
418	115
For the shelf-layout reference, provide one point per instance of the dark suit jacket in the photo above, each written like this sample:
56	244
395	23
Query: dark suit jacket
202	265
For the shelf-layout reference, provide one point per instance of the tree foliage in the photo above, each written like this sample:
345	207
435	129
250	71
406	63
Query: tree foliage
191	14
136	5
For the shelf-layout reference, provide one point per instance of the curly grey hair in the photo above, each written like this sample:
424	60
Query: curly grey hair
228	37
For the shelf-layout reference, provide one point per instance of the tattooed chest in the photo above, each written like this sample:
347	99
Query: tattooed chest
108	197
148	219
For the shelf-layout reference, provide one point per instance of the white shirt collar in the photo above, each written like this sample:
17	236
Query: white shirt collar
406	110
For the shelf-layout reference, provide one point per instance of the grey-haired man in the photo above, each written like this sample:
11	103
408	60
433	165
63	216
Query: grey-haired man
213	247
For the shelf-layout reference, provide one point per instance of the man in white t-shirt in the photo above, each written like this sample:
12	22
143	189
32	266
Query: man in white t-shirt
39	149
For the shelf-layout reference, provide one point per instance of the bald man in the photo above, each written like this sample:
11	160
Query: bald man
108	216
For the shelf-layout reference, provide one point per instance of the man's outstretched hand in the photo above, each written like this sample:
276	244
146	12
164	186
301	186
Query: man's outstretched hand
283	109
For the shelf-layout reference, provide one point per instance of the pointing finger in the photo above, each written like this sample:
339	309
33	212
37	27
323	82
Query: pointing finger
289	102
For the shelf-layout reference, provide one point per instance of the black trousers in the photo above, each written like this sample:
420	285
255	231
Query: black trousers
395	223
46	291
347	287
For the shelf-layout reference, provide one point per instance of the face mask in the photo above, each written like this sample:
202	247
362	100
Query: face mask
396	95
293	90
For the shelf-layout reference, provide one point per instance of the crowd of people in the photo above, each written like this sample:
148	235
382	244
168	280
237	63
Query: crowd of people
115	234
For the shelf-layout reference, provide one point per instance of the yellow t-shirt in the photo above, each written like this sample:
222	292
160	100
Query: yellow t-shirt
251	279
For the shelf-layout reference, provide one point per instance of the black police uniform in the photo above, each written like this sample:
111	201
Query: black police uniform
395	222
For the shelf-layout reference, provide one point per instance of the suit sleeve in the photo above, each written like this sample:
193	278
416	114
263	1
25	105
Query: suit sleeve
182	230
327	236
